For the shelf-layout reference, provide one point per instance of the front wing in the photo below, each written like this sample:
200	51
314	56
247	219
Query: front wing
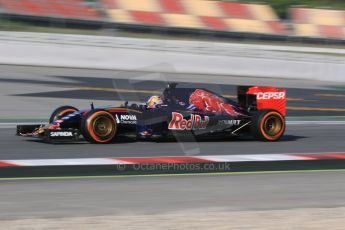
46	134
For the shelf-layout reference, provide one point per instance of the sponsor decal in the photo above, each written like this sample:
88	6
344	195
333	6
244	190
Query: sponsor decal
61	134
230	122
195	122
270	95
126	119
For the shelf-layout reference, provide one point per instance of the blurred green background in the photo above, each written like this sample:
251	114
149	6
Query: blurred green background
281	7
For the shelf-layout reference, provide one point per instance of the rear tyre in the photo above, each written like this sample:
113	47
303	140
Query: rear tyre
268	125
98	126
61	112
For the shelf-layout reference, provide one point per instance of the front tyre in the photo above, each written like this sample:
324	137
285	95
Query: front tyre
61	112
268	125
98	126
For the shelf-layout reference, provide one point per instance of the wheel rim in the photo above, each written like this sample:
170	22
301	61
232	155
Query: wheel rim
273	126
103	127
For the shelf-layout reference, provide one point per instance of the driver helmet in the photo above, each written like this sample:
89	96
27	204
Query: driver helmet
154	102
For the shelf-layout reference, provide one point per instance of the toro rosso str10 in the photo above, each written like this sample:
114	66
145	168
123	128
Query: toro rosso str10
179	112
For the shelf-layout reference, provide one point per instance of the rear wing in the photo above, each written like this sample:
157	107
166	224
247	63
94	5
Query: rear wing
262	97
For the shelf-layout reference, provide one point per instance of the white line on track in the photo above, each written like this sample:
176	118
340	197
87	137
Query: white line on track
315	122
8	125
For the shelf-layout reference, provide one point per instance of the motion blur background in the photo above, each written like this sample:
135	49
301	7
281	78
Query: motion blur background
291	20
58	52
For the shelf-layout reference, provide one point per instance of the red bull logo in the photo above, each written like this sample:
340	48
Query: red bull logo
195	122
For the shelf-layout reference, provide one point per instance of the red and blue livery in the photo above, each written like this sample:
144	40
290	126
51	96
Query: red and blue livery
178	112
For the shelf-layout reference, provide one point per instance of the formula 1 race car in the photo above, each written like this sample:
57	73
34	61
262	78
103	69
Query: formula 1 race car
179	112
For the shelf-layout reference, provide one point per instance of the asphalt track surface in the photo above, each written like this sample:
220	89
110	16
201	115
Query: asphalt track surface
42	89
170	194
36	91
297	139
301	102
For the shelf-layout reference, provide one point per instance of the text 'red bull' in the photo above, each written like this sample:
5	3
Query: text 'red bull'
195	122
